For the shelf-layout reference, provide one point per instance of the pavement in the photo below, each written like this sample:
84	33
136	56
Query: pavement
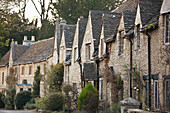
16	111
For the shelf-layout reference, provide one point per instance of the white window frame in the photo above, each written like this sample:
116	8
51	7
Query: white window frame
165	30
157	94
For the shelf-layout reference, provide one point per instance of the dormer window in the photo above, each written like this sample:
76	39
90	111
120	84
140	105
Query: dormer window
167	29
138	36
121	42
88	52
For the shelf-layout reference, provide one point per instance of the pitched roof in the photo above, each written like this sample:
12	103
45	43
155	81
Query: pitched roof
129	19
69	32
96	19
149	9
18	50
5	59
37	52
82	27
110	23
90	72
127	5
59	35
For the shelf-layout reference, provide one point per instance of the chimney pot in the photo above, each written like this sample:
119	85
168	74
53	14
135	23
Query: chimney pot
25	37
63	22
32	38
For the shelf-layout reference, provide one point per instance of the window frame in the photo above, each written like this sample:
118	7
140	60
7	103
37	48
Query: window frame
22	70
3	76
75	54
88	51
156	101
165	29
30	70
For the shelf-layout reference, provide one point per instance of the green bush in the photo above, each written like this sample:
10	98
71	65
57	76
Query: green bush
22	98
30	106
67	89
41	103
116	108
51	102
2	104
55	102
87	95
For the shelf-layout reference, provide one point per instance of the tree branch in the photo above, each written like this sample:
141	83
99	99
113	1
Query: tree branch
36	7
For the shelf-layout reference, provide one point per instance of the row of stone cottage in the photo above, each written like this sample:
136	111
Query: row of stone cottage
131	43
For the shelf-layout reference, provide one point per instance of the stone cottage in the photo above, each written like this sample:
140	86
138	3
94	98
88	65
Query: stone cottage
75	78
24	59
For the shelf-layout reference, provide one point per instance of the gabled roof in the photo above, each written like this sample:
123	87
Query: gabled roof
96	19
127	5
39	51
129	19
110	23
149	9
69	32
5	59
82	27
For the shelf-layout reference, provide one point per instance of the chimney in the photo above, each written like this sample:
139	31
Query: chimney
16	42
25	38
63	22
81	17
32	38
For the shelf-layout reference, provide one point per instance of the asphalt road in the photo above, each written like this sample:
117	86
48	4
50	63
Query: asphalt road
15	111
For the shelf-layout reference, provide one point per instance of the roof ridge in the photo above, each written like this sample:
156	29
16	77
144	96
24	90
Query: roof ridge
42	40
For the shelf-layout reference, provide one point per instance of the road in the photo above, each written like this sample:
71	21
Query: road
15	111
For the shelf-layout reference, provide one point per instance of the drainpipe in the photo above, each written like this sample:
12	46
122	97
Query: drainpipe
149	67
97	62
130	66
79	62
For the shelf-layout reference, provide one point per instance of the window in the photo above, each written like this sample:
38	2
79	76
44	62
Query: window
29	89
167	29
24	81
16	70
102	46
2	78
107	48
21	89
88	52
147	93
138	36
30	70
121	43
156	94
101	89
167	93
75	54
23	70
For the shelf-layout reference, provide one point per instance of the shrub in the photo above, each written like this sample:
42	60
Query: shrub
55	77
30	106
41	103
51	102
86	96
9	98
55	102
67	89
2	104
22	98
116	108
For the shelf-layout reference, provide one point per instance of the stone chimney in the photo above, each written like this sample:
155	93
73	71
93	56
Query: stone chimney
33	38
63	22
